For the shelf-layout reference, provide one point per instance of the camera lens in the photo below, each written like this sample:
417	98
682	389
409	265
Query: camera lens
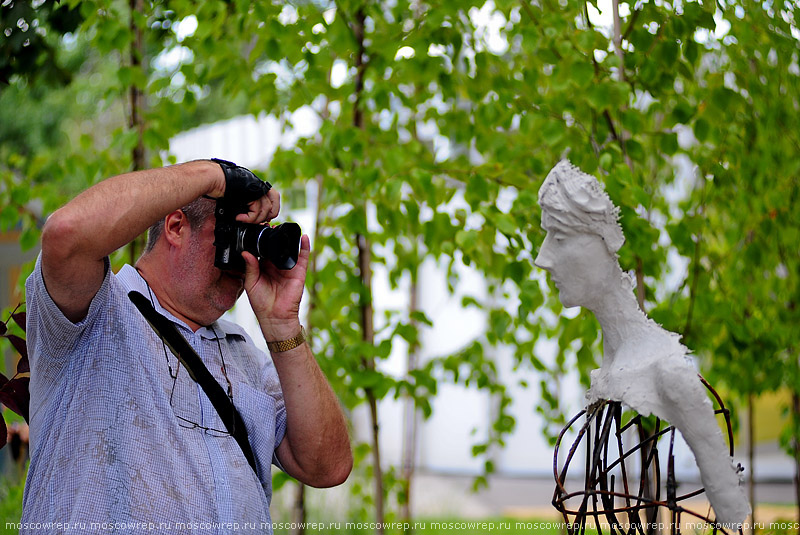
279	245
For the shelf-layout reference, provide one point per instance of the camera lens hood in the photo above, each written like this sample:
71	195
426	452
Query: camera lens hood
280	245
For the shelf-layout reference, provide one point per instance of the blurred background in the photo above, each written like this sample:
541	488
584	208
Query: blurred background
409	140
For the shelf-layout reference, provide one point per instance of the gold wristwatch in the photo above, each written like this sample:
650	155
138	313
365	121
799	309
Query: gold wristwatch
286	345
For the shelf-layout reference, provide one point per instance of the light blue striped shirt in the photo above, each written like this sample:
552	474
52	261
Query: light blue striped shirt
107	449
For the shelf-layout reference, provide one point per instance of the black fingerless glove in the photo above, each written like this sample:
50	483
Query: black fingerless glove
241	186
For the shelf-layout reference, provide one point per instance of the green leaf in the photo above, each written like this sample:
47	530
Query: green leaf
553	132
669	143
691	51
701	129
505	224
667	53
635	150
606	160
466	239
421	317
598	96
682	112
29	238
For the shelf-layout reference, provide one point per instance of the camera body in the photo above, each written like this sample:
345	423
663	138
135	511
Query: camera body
279	245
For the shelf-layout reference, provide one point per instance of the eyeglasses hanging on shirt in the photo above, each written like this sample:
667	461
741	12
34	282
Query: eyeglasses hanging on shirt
186	355
185	403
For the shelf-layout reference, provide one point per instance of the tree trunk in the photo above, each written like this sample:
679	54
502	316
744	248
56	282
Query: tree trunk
299	504
796	449
136	94
751	447
368	335
365	268
622	78
299	511
136	106
409	422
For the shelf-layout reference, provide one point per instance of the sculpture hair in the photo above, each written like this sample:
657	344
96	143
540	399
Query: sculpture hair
575	200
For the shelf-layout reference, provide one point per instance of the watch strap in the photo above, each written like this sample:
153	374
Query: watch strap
286	345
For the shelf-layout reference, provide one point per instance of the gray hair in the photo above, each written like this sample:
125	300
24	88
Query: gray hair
196	212
573	199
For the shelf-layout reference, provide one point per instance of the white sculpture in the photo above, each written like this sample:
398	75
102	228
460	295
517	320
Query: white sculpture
644	366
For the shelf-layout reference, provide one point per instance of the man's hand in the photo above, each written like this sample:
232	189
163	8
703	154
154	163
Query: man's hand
252	198
262	210
275	294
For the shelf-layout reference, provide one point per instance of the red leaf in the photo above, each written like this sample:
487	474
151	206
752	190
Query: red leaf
23	366
19	344
19	319
15	395
3	329
3	432
3	380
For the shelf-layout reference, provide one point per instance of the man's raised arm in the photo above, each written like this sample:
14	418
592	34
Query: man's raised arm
77	237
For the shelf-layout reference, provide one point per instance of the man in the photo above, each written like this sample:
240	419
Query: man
120	432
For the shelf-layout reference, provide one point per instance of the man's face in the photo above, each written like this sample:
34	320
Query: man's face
206	291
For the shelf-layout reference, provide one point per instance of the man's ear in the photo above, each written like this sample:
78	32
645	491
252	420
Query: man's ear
176	228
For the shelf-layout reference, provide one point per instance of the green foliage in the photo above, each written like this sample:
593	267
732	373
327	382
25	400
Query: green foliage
31	34
433	142
746	255
11	502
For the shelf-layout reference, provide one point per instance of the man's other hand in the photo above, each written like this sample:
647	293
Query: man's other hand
246	193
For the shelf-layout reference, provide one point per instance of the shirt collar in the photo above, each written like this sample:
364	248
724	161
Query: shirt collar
130	279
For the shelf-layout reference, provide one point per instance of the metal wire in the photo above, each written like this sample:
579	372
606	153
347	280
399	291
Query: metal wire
611	499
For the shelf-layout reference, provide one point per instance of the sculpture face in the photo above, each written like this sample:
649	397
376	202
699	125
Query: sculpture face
578	262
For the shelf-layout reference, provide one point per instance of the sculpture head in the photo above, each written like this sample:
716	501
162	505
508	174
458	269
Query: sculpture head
583	234
573	199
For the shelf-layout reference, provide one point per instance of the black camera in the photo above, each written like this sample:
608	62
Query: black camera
279	245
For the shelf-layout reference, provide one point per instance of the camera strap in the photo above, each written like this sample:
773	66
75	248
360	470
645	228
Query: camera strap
187	356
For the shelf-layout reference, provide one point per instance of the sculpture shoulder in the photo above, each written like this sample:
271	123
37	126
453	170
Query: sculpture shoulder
653	345
642	372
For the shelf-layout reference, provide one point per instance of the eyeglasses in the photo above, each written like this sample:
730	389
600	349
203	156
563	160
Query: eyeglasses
180	403
183	416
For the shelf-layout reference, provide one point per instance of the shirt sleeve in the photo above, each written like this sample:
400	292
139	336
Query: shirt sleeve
51	336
